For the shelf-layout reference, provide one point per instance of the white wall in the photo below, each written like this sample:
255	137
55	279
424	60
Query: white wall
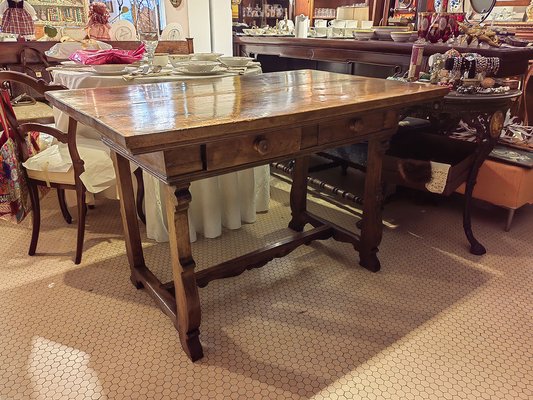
221	34
208	22
178	15
199	24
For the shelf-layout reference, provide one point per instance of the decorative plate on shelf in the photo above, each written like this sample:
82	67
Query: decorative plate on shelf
123	30
173	31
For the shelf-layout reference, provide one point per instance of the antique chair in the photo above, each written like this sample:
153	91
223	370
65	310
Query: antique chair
34	110
59	180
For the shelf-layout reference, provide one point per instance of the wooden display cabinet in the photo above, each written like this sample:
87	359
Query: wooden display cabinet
310	7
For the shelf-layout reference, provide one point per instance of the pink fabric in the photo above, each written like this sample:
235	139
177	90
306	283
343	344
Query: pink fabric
111	56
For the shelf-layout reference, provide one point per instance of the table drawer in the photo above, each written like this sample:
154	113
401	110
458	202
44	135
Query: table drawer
252	148
346	128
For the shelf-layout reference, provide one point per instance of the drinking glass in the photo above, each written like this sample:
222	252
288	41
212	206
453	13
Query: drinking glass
147	25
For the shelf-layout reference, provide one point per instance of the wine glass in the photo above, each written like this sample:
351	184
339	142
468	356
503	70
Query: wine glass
147	24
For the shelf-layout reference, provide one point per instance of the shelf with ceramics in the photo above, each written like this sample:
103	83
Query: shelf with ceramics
60	12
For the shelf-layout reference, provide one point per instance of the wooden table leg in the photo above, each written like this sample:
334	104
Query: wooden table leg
372	225
298	197
188	312
129	217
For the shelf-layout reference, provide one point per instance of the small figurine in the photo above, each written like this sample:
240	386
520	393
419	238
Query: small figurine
17	17
98	25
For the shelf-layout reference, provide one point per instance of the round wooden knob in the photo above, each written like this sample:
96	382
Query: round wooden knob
356	125
262	146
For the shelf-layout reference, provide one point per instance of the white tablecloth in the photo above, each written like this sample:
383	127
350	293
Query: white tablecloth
227	200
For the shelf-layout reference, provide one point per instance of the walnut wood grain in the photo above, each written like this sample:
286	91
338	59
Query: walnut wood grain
181	113
186	292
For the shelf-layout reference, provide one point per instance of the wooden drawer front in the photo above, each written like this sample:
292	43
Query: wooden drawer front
248	149
175	161
329	132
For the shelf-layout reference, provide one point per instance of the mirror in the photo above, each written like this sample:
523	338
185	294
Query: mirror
480	10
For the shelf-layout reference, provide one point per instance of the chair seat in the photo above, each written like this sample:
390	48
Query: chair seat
54	165
66	178
39	112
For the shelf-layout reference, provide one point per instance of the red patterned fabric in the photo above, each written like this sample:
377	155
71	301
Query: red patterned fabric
17	20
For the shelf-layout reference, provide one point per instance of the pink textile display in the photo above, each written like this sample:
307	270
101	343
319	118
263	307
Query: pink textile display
111	56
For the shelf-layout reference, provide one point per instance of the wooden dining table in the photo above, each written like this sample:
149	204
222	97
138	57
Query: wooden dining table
184	131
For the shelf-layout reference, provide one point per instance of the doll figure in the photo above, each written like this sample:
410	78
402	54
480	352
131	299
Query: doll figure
98	24
17	17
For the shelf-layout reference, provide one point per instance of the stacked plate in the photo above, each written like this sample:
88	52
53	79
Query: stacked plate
200	68
109	69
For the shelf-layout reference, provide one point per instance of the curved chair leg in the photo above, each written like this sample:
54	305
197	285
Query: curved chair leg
82	211
36	217
63	205
140	194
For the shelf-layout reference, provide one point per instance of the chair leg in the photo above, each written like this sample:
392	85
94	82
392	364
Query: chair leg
63	205
140	194
510	215
36	217
82	211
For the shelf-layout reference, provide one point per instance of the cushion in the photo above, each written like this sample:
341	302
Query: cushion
52	177
503	185
38	112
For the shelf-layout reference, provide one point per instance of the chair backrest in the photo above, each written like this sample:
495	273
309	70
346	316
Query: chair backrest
23	134
38	85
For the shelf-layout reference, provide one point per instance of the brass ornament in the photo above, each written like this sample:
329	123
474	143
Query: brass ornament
176	3
496	124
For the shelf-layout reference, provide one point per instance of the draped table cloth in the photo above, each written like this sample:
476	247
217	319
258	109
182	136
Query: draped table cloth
223	201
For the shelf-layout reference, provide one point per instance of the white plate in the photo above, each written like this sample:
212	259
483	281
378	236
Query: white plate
214	71
122	30
114	73
173	31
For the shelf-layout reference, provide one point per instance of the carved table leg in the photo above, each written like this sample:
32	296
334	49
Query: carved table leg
129	217
188	313
298	198
372	226
489	128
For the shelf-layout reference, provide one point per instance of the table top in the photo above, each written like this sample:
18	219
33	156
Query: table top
154	117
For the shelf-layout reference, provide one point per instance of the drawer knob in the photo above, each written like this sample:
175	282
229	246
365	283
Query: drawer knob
356	125
261	145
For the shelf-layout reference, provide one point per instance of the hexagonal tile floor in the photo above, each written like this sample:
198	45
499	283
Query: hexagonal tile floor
435	323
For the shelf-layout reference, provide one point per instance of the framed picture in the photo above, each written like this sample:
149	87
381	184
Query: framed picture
109	5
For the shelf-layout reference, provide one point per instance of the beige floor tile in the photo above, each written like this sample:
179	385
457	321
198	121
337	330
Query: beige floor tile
435	323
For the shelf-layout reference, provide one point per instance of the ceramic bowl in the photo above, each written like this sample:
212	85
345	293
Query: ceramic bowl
109	68
384	32
161	59
235	62
401	36
206	56
177	59
363	34
199	66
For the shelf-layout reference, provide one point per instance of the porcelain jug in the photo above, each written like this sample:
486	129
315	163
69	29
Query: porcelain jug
301	26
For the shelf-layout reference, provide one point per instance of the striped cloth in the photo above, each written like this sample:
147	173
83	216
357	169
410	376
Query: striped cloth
17	20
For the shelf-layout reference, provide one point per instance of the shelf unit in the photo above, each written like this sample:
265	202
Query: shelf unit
309	7
60	12
261	10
